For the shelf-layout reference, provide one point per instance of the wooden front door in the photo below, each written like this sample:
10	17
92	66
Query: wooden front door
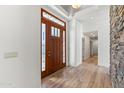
52	45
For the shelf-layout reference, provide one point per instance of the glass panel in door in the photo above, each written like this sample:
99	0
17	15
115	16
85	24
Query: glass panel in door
63	46
43	47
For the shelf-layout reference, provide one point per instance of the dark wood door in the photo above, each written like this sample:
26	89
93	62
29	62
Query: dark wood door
50	51
54	54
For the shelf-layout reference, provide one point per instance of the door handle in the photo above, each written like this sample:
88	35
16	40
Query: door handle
49	53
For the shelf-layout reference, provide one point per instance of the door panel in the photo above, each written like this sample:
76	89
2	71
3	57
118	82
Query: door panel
50	52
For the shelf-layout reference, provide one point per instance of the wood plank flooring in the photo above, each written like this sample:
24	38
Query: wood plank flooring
86	75
92	60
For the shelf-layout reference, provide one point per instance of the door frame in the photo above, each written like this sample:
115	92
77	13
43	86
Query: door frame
83	48
44	20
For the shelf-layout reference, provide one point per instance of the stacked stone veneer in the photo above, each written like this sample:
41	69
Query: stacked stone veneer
117	45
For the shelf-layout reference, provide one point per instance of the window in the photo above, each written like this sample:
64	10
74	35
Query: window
45	15
52	31
43	46
58	32
63	46
52	18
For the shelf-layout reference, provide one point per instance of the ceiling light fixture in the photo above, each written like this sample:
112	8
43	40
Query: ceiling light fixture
76	6
92	34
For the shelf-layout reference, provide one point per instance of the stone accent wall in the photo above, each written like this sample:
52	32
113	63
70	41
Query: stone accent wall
117	45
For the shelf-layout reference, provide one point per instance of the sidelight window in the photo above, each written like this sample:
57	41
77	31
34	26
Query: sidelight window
63	46
43	47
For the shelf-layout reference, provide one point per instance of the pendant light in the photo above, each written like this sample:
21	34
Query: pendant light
76	6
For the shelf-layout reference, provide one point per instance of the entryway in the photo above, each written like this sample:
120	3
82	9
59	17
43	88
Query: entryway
53	42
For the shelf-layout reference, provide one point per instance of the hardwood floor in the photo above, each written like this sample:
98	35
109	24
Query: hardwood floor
86	75
92	60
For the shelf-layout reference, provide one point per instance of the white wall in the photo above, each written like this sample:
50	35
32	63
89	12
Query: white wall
100	24
20	33
72	43
75	42
78	45
87	47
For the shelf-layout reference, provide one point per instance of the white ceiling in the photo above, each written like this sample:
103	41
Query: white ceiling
92	13
86	13
72	11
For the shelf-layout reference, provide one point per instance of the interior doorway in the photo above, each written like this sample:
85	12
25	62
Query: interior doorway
53	42
91	47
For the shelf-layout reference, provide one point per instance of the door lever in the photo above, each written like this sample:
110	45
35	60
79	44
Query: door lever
49	53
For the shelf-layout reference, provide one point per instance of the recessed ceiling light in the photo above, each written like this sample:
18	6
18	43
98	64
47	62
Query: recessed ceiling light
76	6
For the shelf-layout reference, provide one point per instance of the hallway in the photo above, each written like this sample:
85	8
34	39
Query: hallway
92	60
86	75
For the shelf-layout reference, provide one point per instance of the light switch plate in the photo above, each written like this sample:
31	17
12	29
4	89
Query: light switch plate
10	55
